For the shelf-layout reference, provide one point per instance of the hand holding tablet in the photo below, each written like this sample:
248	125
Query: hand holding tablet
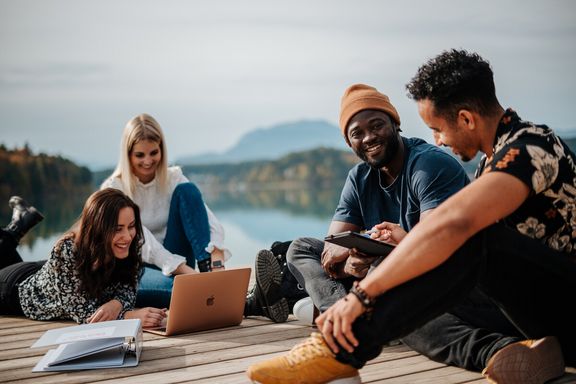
361	242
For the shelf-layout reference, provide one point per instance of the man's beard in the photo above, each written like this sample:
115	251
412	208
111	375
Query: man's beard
390	151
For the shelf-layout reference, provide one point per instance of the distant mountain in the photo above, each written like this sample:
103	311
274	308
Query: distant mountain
274	142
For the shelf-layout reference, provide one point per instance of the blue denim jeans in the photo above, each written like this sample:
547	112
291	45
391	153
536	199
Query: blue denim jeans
466	336
187	234
530	282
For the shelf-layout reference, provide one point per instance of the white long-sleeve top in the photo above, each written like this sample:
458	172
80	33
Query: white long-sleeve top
154	208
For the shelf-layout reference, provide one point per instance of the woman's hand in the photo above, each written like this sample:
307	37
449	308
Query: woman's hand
184	269
108	311
391	233
149	316
336	323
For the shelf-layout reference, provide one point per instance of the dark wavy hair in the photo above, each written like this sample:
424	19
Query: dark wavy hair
96	265
455	80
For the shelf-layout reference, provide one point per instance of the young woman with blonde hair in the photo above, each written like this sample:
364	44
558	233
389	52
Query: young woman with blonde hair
180	231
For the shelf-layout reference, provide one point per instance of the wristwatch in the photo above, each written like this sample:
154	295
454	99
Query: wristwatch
217	264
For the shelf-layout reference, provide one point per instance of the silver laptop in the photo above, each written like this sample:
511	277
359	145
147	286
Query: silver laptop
202	301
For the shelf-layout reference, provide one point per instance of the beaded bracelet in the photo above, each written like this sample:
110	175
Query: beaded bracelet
366	301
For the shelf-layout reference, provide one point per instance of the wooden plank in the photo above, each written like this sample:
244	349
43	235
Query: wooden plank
439	375
221	356
248	327
189	350
20	348
172	347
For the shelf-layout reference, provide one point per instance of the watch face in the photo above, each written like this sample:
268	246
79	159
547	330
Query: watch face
217	264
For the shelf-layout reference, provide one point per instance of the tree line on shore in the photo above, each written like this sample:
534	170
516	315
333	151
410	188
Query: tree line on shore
40	178
310	168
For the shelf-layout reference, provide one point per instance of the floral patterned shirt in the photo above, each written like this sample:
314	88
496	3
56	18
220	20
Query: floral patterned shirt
52	292
540	159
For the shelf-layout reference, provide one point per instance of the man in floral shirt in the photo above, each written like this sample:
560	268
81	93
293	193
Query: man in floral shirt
543	162
511	233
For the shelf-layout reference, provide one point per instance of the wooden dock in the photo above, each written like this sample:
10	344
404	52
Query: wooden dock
217	356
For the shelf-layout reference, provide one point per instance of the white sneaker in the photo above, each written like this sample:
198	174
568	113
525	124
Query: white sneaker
304	310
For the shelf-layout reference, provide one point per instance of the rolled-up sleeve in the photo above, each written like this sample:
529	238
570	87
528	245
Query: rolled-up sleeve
126	295
216	235
154	253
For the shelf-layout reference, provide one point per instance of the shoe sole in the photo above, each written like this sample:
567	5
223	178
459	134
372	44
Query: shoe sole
520	364
268	273
344	380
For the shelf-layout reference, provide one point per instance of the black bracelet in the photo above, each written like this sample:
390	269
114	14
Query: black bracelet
366	301
205	265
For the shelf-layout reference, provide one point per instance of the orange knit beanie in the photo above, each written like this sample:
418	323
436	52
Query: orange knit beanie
359	97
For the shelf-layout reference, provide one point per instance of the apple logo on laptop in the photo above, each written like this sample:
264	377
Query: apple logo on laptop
210	300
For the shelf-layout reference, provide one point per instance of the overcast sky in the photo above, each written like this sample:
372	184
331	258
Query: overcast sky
73	72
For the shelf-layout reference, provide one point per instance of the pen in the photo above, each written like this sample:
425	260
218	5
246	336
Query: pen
367	233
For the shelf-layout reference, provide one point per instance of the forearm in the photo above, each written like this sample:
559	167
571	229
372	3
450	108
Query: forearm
426	247
437	236
183	269
154	253
125	295
131	314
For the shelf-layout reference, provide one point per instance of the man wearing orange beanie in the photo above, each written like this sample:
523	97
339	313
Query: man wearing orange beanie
359	97
401	180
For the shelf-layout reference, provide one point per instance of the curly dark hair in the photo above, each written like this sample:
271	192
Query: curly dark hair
96	265
455	80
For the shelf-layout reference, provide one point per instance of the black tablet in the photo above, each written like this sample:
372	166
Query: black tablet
363	243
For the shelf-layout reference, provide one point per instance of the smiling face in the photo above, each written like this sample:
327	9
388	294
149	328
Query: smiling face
373	137
124	234
144	159
456	135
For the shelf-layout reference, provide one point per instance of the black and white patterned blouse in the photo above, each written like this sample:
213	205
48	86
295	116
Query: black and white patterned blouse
540	159
52	292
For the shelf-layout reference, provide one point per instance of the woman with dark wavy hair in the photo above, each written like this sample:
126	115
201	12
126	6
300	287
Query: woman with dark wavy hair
93	271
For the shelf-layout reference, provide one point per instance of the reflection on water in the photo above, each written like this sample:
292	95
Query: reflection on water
249	231
252	220
59	215
305	201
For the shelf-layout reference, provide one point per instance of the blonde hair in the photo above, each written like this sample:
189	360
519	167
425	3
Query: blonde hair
141	127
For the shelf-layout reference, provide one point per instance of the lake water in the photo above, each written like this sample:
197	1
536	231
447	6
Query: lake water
252	221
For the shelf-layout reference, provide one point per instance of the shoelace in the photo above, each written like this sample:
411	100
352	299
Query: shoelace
313	346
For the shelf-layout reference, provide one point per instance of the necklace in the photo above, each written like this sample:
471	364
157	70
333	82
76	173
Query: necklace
380	181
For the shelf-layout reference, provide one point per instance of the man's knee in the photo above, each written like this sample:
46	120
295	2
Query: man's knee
303	247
